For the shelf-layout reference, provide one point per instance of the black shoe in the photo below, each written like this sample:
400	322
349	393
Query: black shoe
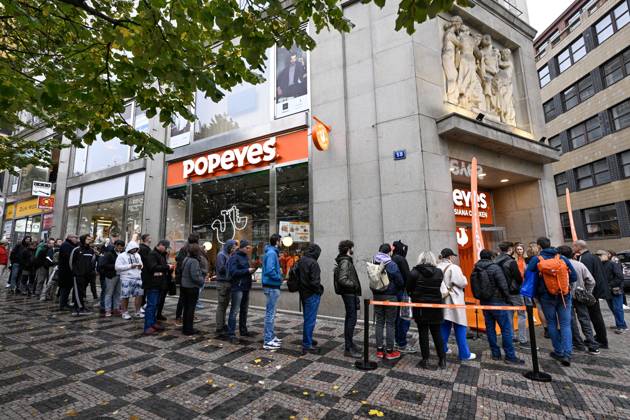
248	334
442	363
556	356
314	343
603	346
593	350
496	357
516	361
234	340
579	348
193	332
546	334
566	361
312	350
424	364
352	353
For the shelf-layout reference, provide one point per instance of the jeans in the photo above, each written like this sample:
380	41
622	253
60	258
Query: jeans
616	306
595	313
385	320
580	314
504	319
238	301
41	275
557	313
423	336
14	277
223	301
310	308
189	297
103	281
402	327
270	313
242	316
150	312
523	336
112	293
460	337
351	303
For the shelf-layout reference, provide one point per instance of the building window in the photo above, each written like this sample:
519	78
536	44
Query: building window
578	92
543	76
561	183
177	225
596	173
601	222
566	226
612	22
586	132
624	161
572	54
621	115
616	68
556	143
549	109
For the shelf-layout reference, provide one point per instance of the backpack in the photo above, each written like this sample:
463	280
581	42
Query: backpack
555	273
482	286
504	262
379	280
293	282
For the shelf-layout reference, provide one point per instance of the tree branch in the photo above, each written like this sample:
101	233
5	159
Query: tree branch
96	13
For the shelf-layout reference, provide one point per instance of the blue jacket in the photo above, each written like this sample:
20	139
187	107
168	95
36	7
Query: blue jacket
271	272
545	254
396	281
222	259
238	270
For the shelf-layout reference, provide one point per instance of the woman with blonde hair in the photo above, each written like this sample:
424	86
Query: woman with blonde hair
423	286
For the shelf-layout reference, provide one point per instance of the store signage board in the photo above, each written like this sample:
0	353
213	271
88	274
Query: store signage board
46	203
462	206
42	189
298	231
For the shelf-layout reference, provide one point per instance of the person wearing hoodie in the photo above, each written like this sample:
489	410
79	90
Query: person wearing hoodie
454	318
42	263
192	280
386	315
497	289
399	256
423	285
240	274
223	287
193	238
66	278
557	307
129	268
15	276
156	283
346	281
112	279
513	275
311	290
614	276
83	264
144	248
271	282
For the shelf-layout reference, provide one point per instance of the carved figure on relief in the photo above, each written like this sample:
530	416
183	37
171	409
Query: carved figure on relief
450	57
504	88
488	69
470	90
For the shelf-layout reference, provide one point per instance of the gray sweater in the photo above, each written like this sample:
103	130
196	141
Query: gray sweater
191	274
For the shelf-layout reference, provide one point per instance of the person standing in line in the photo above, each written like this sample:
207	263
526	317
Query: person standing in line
144	248
157	280
4	260
193	238
83	263
223	287
107	249
490	286
15	275
204	266
555	276
454	318
112	279
514	280
583	286
66	278
271	282
129	268
386	315
532	251
347	284
399	256
614	276
50	288
240	274
192	279
424	286
43	262
311	291
27	264
601	290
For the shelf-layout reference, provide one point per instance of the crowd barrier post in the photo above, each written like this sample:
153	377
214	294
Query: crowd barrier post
535	374
366	364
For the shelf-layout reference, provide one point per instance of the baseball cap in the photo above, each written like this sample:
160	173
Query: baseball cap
447	252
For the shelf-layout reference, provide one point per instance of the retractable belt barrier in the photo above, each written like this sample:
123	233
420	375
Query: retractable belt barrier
367	364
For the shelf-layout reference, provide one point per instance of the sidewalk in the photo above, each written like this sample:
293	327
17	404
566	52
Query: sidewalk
55	366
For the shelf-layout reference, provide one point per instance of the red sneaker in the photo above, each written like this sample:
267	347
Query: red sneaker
380	354
392	355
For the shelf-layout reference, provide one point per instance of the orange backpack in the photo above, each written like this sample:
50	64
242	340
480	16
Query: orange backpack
555	274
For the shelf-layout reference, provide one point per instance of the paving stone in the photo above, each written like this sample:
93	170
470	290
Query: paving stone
53	403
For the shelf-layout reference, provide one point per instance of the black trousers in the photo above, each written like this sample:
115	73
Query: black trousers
64	295
93	287
436	333
80	287
189	296
351	303
160	306
595	313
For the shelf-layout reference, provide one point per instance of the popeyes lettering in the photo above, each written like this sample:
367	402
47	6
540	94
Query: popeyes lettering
462	205
251	154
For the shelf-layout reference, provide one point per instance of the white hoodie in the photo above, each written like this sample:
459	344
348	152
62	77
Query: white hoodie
124	262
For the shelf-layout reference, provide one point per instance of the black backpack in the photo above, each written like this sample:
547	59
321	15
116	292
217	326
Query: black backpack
293	282
504	262
482	286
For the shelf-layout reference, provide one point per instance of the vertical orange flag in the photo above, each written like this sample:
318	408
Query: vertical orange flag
476	224
570	212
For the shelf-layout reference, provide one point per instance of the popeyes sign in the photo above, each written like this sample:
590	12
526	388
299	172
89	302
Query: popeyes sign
462	206
258	154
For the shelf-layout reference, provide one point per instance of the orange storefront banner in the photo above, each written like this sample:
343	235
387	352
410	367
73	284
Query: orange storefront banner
244	157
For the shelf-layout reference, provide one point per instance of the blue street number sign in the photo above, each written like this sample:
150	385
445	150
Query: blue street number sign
400	154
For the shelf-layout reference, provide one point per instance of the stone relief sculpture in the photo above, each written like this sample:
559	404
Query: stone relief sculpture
479	77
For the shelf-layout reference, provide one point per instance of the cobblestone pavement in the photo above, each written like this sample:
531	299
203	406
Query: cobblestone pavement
55	366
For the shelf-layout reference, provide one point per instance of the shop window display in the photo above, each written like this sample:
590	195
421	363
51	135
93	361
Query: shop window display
134	217
102	220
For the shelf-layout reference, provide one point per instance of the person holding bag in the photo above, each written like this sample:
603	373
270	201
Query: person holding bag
347	285
452	289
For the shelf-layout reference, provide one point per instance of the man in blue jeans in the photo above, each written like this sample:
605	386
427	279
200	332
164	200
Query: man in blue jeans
399	256
271	282
311	290
557	307
156	282
496	293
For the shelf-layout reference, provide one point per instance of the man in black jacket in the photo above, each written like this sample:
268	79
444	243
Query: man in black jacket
514	280
27	265
66	278
311	290
107	270
156	283
83	264
500	296
14	258
143	251
614	276
601	290
43	262
399	256
346	281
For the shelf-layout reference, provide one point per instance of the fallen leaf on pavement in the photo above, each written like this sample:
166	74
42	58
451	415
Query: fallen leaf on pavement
100	372
72	413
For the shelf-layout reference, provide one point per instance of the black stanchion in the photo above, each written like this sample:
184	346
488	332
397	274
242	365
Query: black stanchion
366	364
535	374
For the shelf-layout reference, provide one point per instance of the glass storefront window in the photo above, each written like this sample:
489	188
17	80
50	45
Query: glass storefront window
104	190
292	198
71	223
134	217
177	227
102	220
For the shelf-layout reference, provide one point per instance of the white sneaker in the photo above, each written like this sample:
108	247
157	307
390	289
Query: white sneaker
139	314
7	286
277	340
625	307
473	356
272	345
449	351
126	316
142	309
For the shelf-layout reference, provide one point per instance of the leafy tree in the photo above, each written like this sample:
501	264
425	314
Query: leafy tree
73	64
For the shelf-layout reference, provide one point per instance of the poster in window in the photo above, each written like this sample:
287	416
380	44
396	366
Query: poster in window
291	81
299	231
180	132
6	229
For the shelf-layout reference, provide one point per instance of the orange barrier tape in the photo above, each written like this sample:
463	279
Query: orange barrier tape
446	305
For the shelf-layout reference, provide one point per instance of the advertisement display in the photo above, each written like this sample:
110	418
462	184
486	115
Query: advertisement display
41	189
46	203
299	231
291	81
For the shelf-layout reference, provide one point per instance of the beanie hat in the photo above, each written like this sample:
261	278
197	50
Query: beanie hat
243	243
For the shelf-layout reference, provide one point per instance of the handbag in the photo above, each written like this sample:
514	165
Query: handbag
530	284
405	311
584	297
